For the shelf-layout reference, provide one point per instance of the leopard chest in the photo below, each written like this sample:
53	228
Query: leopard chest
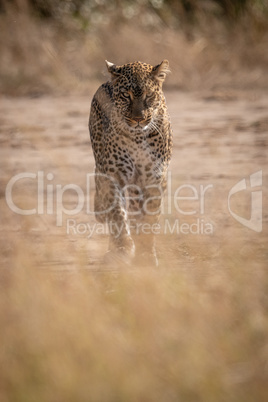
133	160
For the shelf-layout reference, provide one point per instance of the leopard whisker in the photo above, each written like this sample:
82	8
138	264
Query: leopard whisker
156	128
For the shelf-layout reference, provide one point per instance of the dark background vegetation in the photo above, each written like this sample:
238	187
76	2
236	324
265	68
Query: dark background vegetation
60	46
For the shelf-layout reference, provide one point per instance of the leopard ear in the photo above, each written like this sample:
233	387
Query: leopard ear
112	69
160	71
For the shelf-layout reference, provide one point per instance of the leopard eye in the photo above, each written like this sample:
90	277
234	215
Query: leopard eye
126	95
149	95
149	98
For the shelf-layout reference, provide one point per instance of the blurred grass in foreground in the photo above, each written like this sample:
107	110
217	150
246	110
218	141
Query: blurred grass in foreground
182	333
133	335
60	46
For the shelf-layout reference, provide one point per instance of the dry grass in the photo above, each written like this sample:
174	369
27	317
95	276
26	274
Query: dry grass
133	335
60	56
194	330
197	328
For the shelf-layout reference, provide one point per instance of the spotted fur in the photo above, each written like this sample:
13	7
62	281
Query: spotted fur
132	141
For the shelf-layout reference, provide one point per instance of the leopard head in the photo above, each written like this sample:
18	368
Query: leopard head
137	91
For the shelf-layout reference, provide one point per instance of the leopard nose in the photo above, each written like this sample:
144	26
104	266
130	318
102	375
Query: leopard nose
138	119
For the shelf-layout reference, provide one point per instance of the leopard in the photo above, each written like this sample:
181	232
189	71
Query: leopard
131	138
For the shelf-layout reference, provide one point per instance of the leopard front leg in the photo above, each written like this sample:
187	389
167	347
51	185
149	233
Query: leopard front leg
146	223
110	208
